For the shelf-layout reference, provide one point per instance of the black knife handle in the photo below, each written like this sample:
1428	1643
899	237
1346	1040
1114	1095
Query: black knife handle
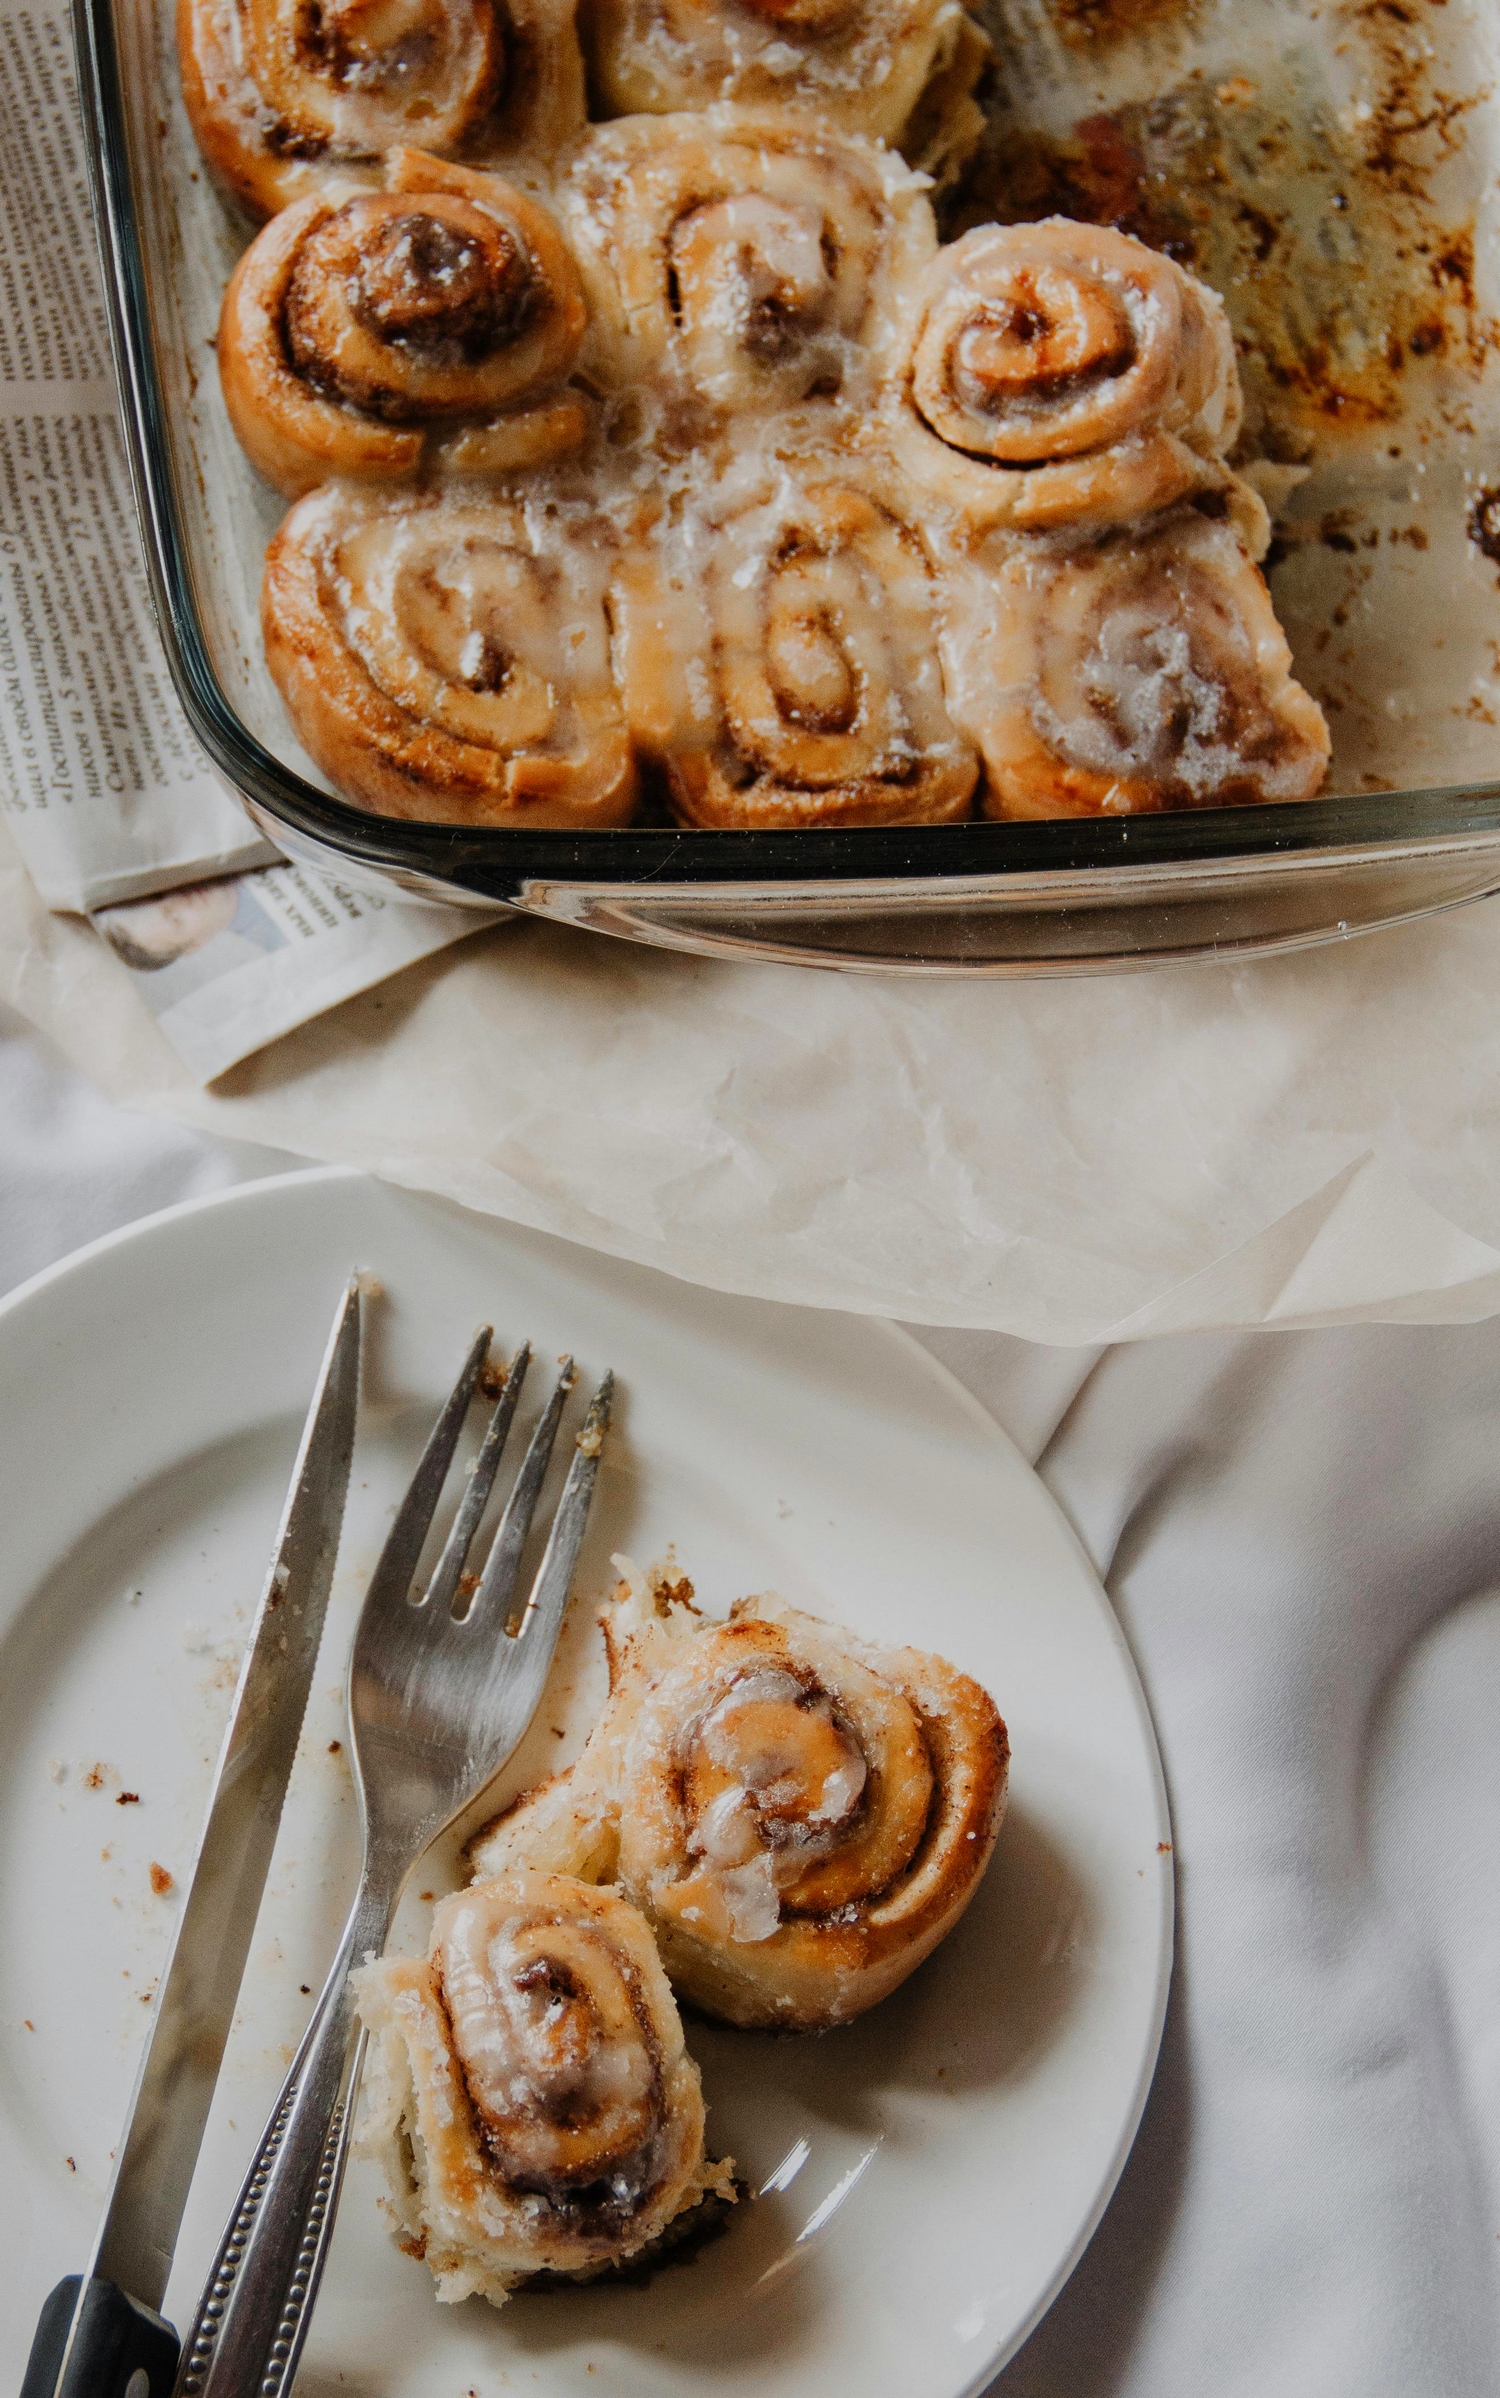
120	2349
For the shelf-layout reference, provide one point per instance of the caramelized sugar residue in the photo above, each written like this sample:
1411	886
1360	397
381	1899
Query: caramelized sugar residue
1318	224
1484	522
1084	23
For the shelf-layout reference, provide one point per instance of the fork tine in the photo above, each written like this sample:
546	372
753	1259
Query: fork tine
442	1588
523	1664
504	1562
554	1576
392	1579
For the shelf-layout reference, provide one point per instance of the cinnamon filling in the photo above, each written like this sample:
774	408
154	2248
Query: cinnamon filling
806	16
808	666
365	45
1044	343
560	2063
344	78
430	290
1158	684
751	272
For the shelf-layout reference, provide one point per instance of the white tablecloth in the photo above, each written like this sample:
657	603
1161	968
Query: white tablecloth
1300	1532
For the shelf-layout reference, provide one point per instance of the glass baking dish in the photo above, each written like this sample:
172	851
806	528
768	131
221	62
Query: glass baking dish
1389	598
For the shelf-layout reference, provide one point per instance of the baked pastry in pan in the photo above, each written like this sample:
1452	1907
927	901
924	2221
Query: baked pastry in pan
527	2089
1060	374
740	261
357	336
801	1817
776	645
446	658
1131	671
725	484
286	98
864	66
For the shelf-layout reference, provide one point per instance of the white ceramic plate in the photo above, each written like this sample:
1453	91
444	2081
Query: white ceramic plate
929	2175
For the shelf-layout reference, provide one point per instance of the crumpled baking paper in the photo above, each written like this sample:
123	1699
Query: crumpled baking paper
1302	1140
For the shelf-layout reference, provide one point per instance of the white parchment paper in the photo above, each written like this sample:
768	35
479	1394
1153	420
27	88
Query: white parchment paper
1302	1140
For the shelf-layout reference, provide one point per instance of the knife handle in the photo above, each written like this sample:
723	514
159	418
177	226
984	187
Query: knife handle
99	2343
253	2319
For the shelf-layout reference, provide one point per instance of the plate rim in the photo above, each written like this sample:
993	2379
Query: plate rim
1167	1948
256	1188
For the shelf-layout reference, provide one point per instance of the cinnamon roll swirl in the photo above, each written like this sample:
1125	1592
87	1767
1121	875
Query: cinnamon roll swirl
289	96
780	657
800	1817
528	2092
447	659
1138	671
860	65
1057	373
742	259
349	329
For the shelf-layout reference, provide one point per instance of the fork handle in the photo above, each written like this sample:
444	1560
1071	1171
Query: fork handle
254	2313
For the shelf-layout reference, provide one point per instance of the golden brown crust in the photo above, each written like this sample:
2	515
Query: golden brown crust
863	66
437	663
532	2102
348	327
741	260
1058	374
834	1954
801	1818
947	125
284	104
1134	672
777	650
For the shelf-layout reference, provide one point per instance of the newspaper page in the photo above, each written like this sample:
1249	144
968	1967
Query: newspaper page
98	771
228	964
115	811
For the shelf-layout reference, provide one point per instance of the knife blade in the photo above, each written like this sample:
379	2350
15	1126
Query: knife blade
100	2334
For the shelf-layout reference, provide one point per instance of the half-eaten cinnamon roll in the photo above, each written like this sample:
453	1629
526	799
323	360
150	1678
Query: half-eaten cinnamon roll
861	65
800	1816
743	259
777	652
1059	373
447	659
349	330
527	2090
289	96
1136	671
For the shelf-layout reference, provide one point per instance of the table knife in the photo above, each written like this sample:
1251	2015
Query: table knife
101	2334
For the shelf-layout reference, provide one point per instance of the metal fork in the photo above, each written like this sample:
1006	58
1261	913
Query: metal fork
442	1687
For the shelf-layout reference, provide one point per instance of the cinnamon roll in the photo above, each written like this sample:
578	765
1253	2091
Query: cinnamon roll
742	259
779	656
527	2090
1056	374
287	97
861	65
447	659
801	1817
349	329
1140	670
